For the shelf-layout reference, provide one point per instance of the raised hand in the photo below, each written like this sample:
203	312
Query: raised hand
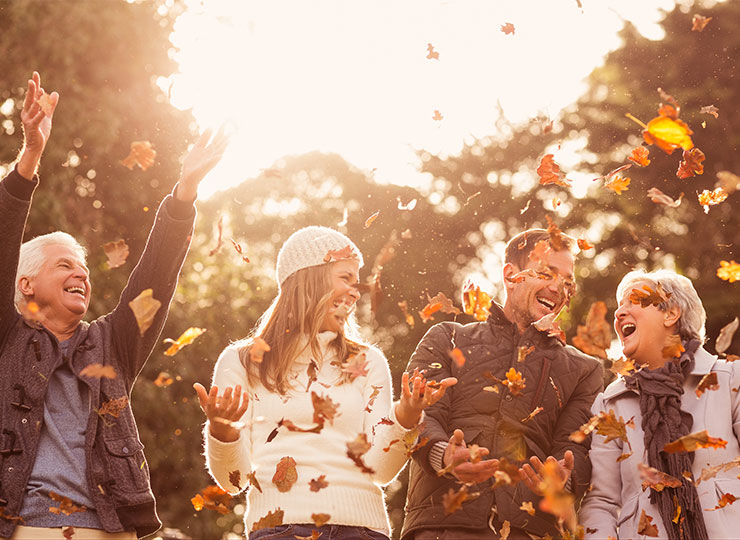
417	394
222	411
198	163
466	465
36	126
532	474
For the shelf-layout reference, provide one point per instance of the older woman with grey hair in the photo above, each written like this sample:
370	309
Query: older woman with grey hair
660	323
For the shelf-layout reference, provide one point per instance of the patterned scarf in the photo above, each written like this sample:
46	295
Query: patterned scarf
663	421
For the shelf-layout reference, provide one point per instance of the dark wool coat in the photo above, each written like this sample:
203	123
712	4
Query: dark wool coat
560	379
117	472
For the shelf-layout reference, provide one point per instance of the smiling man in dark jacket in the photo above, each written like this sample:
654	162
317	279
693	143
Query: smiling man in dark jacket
68	435
504	419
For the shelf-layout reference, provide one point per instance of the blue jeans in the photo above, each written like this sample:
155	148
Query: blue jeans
328	532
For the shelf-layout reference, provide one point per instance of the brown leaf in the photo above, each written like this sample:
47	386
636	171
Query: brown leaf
66	506
116	252
531	415
527	507
272	519
724	340
219	241
452	500
673	347
655	479
699	22
505	530
252	477
649	297
163	380
439	303
239	250
691	164
551	326
185	339
727	498
319	483
344	254
68	533
235	478
98	371
606	424
549	172
623	366
692	441
707	382
358	448
475	301
645	526
113	407
711	472
658	197
285	474
320	519
596	336
356	366
523	351
323	408
144	308
373	396
142	154
639	156
710	109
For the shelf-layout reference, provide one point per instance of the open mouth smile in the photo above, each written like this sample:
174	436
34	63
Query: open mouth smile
628	329
76	290
546	302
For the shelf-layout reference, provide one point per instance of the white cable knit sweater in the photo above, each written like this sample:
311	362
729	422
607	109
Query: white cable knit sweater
352	496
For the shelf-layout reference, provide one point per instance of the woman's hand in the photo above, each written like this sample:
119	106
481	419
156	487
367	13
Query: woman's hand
222	411
416	395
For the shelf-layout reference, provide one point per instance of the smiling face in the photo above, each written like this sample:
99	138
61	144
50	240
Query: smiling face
61	289
344	276
545	290
643	331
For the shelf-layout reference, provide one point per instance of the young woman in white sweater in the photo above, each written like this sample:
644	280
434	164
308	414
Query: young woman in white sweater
310	424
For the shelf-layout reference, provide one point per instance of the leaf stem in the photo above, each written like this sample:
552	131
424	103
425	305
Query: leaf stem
636	121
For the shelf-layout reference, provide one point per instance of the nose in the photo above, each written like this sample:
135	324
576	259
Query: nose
354	293
620	313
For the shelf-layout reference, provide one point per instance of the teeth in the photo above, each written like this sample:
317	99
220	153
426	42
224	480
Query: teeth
628	329
549	304
78	290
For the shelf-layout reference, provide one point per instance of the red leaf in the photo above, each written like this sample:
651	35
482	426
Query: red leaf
508	28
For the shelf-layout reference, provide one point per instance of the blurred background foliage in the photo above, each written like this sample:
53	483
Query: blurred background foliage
104	59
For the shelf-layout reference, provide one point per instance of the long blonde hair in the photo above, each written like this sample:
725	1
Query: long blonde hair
297	312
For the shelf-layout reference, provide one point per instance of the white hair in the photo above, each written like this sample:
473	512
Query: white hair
33	255
683	295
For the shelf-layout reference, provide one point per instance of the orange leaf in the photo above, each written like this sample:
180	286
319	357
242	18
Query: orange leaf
668	133
452	500
340	254
727	498
358	448
458	357
142	154
527	507
144	307
692	441
404	306
639	156
323	408
699	22
272	519
440	302
645	526
549	172
66	506
655	479
691	163
606	424
212	498
623	366
596	336
617	184
314	535
437	116
319	483
583	245
673	347
514	381
475	301
647	296
658	197
98	371
523	351
551	326
707	382
369	221
320	519
710	198
186	338
113	407
431	53
531	415
257	350
508	28
285	474
116	252
163	380
557	240
729	271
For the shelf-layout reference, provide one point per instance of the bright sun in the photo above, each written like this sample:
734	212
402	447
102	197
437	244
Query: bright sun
353	77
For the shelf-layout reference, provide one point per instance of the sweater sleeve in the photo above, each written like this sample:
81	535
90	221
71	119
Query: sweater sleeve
15	201
380	432
598	513
222	458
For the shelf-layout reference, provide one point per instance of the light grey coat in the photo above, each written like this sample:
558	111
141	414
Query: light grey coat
614	505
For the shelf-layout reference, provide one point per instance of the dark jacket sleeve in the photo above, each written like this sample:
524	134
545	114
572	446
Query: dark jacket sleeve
576	413
434	347
157	269
15	201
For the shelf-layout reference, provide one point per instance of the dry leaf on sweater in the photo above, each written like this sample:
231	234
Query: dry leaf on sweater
320	519
113	407
285	474
358	448
235	478
319	483
355	366
254	482
645	526
272	519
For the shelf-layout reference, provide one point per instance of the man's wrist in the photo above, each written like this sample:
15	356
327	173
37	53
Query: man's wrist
28	164
436	455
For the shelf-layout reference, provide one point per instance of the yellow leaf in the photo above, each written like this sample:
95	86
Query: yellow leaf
186	338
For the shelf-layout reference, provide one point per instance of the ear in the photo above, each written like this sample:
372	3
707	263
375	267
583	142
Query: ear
25	286
509	270
671	316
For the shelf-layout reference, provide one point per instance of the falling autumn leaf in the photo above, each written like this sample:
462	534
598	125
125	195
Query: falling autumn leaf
555	499
666	131
45	103
692	441
272	519
163	380
355	366
239	250
672	348
724	340
514	382
649	297
369	221
531	415
646	527
549	172
508	28
142	154
583	245
404	306
346	253
711	472
655	479
8	517
691	164
710	198
606	424
707	382
68	533
431	53
617	184
527	507
186	338
144	308
324	409
116	252
639	156
66	506
475	301
357	448
320	519
98	371
596	336
729	271
219	241
319	483
658	197
523	351
254	482
372	398
727	498
212	498
458	357
113	407
551	326
257	350
710	109
285	474
699	22
440	302
408	206
452	500
623	366
437	116
505	530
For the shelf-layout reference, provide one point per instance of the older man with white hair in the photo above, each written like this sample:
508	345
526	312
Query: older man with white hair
68	438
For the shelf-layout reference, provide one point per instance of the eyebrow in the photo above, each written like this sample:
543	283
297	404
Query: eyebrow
555	269
73	263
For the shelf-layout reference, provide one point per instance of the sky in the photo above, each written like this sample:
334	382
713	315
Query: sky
353	77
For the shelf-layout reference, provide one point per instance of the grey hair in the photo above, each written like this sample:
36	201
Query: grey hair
683	295
32	256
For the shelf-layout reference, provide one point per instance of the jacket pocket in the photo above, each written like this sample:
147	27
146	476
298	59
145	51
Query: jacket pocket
127	465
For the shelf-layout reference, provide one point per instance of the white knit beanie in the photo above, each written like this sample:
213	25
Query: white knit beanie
310	246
